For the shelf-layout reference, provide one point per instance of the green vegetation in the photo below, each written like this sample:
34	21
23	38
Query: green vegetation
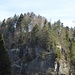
34	35
58	54
43	55
5	66
35	31
46	39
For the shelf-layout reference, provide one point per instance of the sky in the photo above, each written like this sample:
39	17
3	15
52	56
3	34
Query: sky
53	10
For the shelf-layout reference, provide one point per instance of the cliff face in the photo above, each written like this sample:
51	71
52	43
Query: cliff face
43	63
63	63
64	67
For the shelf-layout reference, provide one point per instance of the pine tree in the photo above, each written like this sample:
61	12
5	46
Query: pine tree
49	24
74	34
3	23
34	35
46	38
5	66
19	21
67	32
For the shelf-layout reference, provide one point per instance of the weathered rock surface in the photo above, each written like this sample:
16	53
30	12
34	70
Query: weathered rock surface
32	63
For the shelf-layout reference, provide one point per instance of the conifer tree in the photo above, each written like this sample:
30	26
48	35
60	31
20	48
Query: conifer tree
46	38
67	33
5	66
34	35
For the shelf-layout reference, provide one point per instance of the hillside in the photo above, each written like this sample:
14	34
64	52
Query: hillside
38	47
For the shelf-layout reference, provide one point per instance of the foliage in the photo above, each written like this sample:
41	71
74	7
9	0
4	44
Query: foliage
58	54
43	55
46	38
35	31
72	52
34	35
5	67
67	32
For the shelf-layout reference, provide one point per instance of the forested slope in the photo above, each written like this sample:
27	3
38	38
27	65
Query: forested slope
32	40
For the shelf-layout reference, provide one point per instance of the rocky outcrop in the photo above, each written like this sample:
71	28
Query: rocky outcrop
64	67
37	61
42	66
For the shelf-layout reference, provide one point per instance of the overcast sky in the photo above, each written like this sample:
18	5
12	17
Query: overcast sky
51	9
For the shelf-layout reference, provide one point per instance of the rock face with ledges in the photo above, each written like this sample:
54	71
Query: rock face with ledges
64	67
32	62
39	65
